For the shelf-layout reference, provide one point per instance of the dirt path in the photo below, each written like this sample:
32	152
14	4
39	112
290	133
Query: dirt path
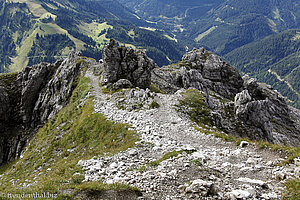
226	170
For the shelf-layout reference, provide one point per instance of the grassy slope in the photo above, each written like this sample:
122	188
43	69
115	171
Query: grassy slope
21	60
75	133
94	29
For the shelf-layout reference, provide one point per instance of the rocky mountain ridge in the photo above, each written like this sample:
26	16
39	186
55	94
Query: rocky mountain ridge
170	108
251	109
254	36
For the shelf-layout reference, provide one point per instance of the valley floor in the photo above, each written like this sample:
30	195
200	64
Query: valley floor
175	161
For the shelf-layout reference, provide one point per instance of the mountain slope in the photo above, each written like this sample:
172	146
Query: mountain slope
220	25
97	143
15	22
242	22
81	24
274	60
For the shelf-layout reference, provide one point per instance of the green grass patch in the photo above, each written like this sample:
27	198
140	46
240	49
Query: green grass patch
293	152
217	134
197	162
193	104
292	190
155	88
8	78
154	105
167	156
80	62
75	133
98	186
106	90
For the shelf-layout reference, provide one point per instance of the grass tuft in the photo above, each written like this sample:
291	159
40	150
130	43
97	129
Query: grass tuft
154	105
292	190
155	88
167	156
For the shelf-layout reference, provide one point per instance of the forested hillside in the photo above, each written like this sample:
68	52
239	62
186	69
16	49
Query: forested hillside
274	60
15	21
33	31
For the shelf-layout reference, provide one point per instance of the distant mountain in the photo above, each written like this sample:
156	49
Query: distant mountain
274	60
236	23
238	31
33	31
219	25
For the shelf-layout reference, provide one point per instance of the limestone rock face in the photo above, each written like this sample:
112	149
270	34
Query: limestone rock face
218	75
30	98
125	63
267	112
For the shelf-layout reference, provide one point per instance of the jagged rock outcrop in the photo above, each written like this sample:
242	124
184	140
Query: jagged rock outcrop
4	106
126	63
28	99
202	70
261	107
239	106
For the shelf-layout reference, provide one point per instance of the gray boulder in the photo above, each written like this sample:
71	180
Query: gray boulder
122	83
202	70
126	63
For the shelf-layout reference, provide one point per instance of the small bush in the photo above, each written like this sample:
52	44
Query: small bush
154	88
154	104
77	179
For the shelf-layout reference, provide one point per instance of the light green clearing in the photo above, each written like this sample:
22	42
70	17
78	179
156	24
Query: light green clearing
204	34
35	8
131	33
277	14
272	25
21	60
297	36
151	22
136	16
148	28
94	29
169	37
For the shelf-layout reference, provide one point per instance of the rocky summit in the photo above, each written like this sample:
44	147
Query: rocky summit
124	67
175	111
